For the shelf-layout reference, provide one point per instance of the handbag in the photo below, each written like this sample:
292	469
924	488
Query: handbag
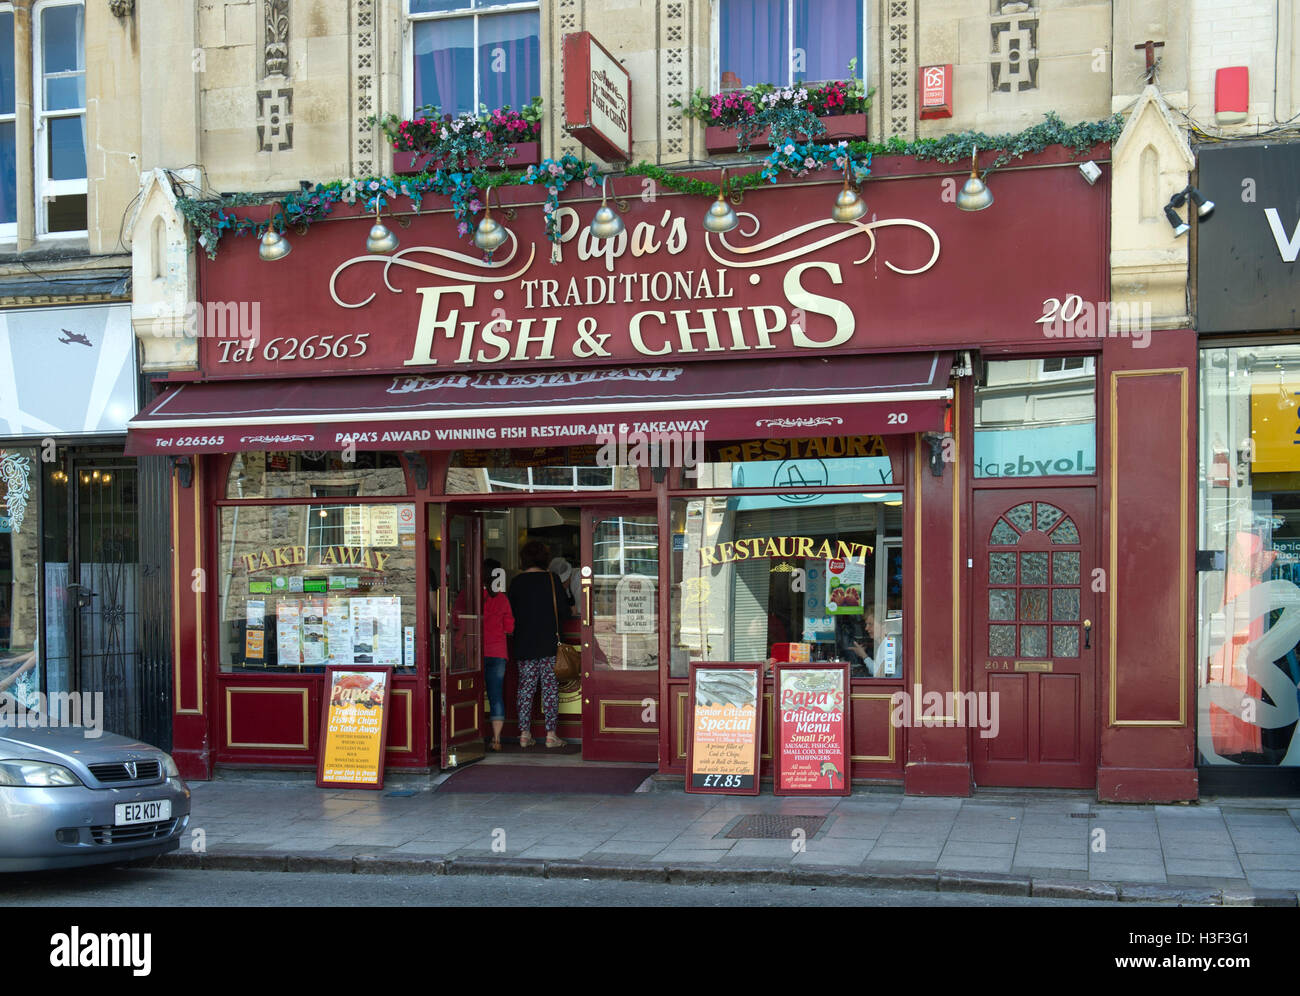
568	656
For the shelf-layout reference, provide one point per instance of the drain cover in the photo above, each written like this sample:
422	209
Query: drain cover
1083	816
765	826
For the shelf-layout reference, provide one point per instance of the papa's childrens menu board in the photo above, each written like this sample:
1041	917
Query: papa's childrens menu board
812	730
331	630
723	752
354	727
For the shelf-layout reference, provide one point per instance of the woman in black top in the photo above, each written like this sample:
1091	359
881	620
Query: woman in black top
538	604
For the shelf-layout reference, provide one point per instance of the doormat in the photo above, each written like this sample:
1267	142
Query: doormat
570	779
511	746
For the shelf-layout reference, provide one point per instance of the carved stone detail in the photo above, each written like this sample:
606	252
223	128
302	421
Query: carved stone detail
1013	63
365	43
898	57
275	50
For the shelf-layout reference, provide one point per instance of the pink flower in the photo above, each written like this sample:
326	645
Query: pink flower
463	229
788	150
810	162
474	206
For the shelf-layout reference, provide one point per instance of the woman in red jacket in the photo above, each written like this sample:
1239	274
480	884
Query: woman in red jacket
498	623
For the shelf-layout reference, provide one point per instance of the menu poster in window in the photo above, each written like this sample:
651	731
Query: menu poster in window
812	730
388	630
726	714
363	630
356	525
383	525
288	632
354	727
254	630
338	630
845	580
314	637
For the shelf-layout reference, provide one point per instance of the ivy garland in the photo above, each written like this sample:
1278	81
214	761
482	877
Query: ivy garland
210	218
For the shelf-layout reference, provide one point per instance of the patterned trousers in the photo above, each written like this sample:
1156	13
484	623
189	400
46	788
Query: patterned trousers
530	672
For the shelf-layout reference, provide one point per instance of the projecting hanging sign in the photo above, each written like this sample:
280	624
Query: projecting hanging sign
597	98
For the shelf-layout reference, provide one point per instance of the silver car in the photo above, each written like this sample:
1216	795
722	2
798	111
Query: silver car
68	800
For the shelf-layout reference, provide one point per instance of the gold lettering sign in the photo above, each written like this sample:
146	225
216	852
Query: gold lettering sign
822	448
296	556
767	547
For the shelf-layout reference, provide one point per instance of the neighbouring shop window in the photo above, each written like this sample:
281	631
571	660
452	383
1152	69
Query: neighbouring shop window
1248	559
757	577
19	576
263	474
1036	418
802	464
471	52
784	42
537	470
295	596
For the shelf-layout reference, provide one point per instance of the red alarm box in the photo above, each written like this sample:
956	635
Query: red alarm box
1231	95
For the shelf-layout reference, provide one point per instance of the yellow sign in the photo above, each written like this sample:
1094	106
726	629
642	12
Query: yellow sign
829	447
352	743
295	556
784	547
1275	428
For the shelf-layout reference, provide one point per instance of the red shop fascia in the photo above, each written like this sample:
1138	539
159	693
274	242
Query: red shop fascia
789	326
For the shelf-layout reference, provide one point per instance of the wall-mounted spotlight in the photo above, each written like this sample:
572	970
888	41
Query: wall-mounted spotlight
721	216
1204	207
1091	171
606	224
273	244
974	194
490	233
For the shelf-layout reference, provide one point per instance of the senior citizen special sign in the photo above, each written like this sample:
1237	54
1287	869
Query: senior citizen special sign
787	282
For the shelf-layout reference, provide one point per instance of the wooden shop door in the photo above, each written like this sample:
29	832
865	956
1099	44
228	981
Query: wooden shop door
1032	637
618	605
460	640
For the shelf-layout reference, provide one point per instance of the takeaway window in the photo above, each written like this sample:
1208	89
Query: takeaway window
783	42
538	470
1036	418
759	577
467	53
296	595
269	474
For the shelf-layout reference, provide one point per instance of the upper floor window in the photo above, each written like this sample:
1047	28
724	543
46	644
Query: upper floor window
464	53
788	41
8	135
59	107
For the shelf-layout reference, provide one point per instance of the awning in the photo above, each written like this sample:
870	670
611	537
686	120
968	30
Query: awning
849	395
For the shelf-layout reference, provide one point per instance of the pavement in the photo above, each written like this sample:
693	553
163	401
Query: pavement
1063	845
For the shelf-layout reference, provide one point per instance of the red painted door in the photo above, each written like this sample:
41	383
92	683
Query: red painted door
460	642
618	605
1033	652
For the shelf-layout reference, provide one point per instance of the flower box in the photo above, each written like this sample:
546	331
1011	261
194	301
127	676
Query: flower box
411	163
853	127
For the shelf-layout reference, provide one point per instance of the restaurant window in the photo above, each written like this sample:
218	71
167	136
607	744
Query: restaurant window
331	580
784	42
8	127
1036	418
269	474
789	576
537	470
467	53
60	117
20	566
1248	560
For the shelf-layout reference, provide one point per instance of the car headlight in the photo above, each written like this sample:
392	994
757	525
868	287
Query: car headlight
35	774
169	767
